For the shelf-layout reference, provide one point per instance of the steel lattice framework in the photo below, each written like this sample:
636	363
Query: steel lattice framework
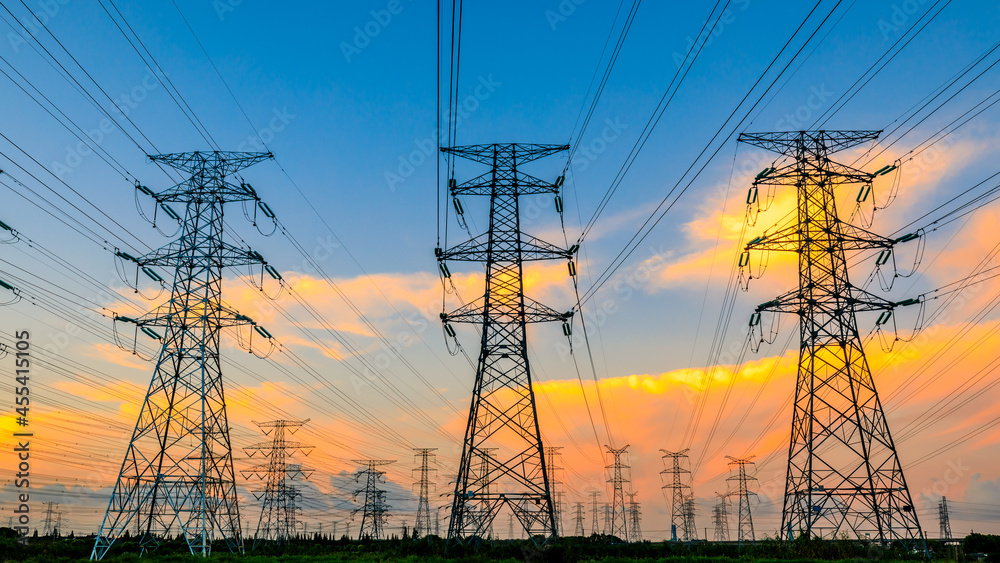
634	518
619	522
720	517
502	413
578	520
681	513
375	511
178	470
422	527
278	516
745	526
844	474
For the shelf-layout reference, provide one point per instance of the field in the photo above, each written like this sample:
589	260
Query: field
597	548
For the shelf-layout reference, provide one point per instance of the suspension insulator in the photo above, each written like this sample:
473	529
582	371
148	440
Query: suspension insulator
449	330
883	318
266	209
170	212
745	259
755	319
458	206
444	270
150	333
752	195
863	194
125	255
559	207
567	329
572	268
152	274
883	257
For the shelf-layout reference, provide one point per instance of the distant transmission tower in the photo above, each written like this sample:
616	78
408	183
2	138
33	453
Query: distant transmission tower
945	521
578	520
634	518
375	511
278	515
423	524
552	453
619	518
720	517
744	492
595	515
178	468
503	404
48	529
843	471
681	519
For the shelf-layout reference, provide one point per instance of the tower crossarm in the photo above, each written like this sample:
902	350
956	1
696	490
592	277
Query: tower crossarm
220	315
534	312
528	248
199	163
846	236
179	253
821	142
854	298
523	152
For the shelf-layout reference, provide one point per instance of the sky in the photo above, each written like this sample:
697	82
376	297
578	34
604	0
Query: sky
346	97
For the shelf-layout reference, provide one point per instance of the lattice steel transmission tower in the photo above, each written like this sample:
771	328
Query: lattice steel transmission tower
552	453
634	518
681	513
578	529
943	519
503	412
844	474
422	527
279	513
619	523
49	527
720	518
743	491
375	511
178	469
595	515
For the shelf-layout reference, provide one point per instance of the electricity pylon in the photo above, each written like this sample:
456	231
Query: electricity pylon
375	511
844	474
552	453
278	515
743	491
634	513
720	517
595	526
178	468
423	523
943	519
578	520
619	518
679	516
503	411
48	529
